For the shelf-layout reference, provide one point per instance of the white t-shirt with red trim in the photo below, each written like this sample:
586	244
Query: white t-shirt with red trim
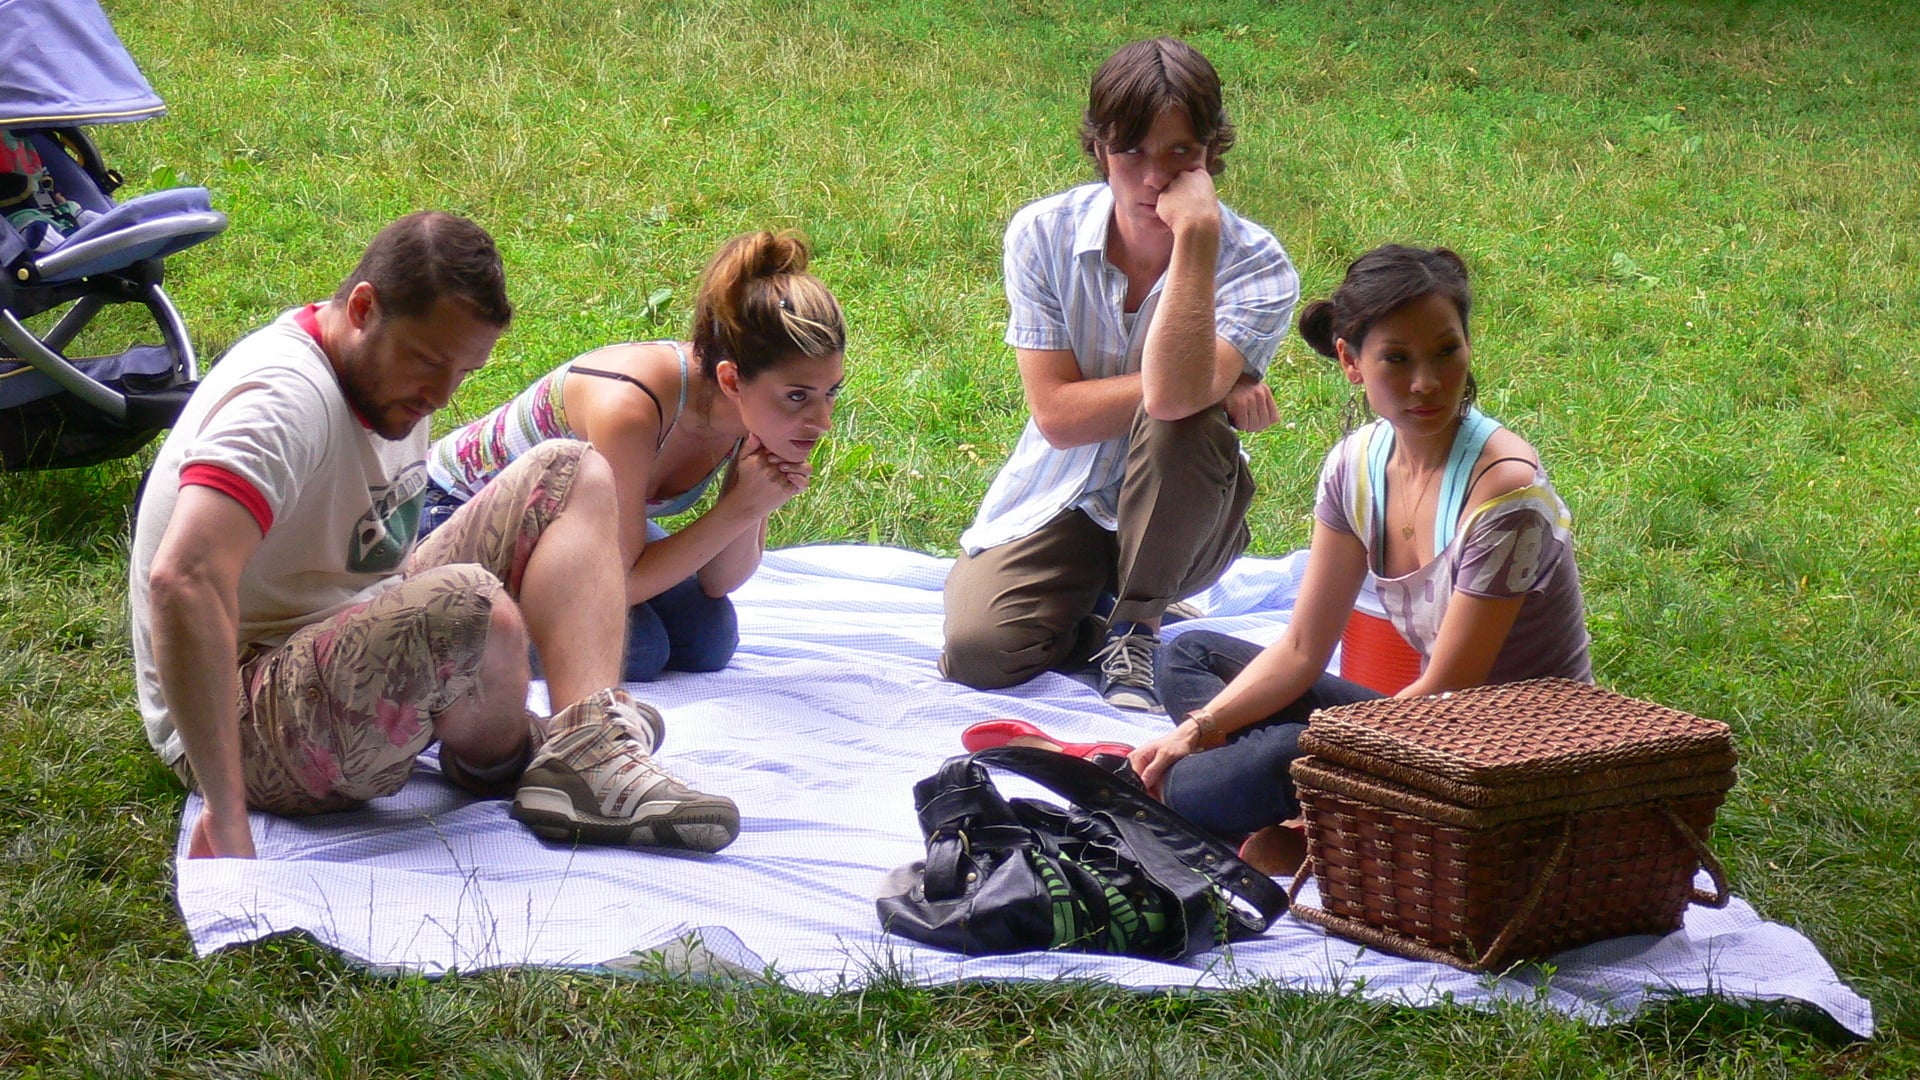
338	506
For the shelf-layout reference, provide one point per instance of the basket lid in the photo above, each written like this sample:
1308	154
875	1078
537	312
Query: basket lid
1491	745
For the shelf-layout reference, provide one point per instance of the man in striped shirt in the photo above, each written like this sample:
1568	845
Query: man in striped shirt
1144	315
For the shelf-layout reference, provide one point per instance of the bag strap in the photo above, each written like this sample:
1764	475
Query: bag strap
959	810
1179	854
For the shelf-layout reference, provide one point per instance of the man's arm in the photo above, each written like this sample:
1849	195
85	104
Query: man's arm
1187	366
1070	409
193	594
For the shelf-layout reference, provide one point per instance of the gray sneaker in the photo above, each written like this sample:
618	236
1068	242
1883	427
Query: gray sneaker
595	781
1126	671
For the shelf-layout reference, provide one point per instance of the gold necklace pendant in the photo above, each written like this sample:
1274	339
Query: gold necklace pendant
1413	512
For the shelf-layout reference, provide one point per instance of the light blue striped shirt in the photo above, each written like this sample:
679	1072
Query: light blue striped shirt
1064	294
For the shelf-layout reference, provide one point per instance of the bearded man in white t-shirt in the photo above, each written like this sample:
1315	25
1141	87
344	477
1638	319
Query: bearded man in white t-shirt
295	649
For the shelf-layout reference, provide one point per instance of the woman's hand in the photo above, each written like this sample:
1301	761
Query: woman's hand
762	483
1152	760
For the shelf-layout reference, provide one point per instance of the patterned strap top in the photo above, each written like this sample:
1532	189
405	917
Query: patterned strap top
467	457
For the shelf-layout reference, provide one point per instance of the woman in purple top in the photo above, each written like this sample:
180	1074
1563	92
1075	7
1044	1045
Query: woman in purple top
1451	513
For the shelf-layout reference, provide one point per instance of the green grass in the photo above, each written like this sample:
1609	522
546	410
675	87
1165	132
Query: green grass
1693	230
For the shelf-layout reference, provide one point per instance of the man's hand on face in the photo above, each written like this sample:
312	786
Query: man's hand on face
1189	201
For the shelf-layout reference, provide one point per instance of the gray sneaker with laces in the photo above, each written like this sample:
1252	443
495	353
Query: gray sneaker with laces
1126	670
595	781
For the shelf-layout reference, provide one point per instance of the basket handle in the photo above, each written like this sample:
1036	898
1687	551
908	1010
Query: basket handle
1520	918
1299	878
1718	898
1393	943
1720	894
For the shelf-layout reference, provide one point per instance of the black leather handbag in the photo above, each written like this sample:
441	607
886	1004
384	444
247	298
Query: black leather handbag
1116	872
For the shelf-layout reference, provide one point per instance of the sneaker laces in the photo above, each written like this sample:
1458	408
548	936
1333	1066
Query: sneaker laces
613	760
633	718
1127	660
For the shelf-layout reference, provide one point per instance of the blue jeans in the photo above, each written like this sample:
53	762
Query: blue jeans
682	629
1247	784
436	508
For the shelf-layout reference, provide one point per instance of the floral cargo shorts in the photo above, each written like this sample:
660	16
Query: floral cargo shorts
336	715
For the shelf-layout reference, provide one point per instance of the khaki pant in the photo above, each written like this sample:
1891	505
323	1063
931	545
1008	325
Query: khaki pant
1027	606
336	714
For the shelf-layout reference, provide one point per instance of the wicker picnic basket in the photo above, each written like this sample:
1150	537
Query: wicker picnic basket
1504	823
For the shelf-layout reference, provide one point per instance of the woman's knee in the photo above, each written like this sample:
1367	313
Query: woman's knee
1192	659
648	647
710	642
681	630
1191	651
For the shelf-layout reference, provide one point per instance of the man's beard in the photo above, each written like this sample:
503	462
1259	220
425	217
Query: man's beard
372	413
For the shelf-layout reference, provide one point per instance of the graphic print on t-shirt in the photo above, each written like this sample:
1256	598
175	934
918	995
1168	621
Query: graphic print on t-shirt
384	535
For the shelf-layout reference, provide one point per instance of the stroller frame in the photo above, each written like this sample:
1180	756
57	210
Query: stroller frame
138	282
65	68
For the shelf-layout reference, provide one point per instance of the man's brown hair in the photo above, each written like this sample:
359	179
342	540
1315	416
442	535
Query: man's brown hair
424	256
1145	79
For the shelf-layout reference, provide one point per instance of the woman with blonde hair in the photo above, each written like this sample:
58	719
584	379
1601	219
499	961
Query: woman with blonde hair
749	396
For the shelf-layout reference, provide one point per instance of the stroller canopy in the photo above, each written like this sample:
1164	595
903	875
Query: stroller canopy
61	64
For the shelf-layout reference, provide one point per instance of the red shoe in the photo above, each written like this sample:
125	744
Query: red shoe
988	734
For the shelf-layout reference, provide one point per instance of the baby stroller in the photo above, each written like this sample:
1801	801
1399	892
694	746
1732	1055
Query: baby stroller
65	244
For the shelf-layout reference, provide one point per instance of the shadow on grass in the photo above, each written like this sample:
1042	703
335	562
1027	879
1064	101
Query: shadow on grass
84	510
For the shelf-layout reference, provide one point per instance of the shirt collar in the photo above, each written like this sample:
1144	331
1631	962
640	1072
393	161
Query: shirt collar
1090	235
308	319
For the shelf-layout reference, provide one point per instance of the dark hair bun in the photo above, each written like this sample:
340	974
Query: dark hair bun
1316	327
1376	284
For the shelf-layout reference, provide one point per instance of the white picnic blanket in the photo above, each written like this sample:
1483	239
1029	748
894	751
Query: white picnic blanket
818	729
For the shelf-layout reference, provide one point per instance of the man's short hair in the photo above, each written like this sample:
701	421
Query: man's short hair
424	256
1145	79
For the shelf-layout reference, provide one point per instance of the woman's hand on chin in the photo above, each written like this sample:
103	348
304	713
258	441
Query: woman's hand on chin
761	482
798	474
